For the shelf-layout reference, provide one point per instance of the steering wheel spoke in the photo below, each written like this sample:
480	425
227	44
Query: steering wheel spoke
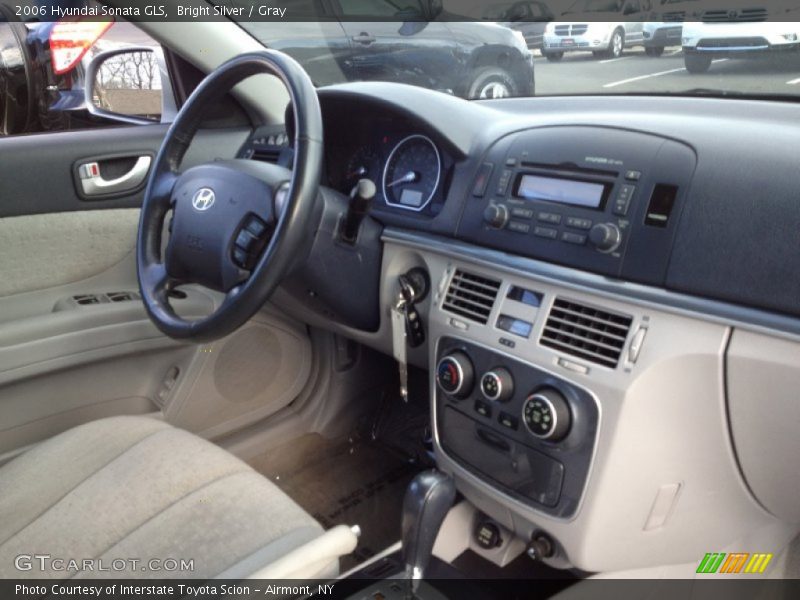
159	281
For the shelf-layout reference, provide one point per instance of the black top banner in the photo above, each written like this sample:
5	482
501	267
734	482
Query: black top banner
717	11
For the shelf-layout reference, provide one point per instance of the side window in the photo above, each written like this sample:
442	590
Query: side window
60	57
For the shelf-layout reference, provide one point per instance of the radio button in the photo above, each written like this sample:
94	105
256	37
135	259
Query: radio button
626	192
579	223
521	213
502	185
518	227
606	237
496	215
621	206
573	238
549	217
546	232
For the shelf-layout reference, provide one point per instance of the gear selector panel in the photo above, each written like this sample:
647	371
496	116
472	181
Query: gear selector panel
524	431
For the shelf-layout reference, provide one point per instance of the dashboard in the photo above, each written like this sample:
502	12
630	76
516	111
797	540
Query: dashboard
612	283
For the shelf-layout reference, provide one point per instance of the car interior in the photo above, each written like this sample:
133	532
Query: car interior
372	330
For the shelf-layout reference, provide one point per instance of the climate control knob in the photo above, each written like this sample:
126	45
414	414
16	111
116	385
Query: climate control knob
496	215
456	375
605	237
497	385
546	415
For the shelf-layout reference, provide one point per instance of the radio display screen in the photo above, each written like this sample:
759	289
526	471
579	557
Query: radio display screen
561	191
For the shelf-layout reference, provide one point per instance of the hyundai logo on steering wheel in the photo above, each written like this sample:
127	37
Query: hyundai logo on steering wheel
203	199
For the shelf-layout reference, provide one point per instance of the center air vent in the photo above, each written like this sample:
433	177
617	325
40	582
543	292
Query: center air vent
589	333
471	296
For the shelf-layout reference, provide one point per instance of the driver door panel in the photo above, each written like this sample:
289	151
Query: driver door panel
75	341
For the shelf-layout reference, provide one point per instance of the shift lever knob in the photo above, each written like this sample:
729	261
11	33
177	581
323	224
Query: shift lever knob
360	203
428	499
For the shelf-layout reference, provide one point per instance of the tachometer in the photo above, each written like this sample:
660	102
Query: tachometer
364	164
412	173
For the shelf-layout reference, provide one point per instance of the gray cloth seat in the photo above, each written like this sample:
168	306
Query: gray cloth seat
137	488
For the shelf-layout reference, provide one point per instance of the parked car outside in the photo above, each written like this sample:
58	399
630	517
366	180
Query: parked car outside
735	33
527	16
604	27
467	59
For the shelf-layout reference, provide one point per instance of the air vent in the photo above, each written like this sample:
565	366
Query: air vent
267	154
589	333
471	296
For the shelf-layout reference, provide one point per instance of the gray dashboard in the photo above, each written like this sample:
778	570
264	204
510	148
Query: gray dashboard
734	238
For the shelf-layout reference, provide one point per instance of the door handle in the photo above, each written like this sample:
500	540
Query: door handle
94	184
364	38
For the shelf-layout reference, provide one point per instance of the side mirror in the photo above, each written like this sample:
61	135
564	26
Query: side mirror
129	85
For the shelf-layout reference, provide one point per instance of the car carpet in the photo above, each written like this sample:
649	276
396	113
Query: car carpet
352	480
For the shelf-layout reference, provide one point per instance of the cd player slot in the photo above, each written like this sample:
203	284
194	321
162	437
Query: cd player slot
570	170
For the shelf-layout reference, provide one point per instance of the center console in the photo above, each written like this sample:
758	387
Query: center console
528	432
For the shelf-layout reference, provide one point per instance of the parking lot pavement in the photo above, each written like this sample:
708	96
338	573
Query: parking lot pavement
582	73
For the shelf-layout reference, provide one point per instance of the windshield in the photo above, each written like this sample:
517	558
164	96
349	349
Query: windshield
590	6
733	52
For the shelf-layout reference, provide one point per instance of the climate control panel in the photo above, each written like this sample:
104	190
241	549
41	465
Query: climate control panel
519	428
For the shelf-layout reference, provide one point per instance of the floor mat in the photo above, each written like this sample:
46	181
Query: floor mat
352	481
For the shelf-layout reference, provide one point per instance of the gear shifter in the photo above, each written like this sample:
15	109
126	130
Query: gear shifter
428	499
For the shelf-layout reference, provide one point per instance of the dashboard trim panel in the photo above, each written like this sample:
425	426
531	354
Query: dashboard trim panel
710	310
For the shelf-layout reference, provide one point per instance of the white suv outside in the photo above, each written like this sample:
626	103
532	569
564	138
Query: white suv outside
726	33
595	27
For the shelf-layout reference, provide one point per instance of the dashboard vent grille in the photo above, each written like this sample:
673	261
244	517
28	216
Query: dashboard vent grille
589	333
471	296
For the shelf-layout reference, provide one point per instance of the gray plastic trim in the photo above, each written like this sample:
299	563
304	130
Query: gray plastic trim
692	306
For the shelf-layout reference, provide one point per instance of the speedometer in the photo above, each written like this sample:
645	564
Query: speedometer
412	173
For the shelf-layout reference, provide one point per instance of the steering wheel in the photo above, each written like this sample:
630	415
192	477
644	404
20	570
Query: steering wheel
236	225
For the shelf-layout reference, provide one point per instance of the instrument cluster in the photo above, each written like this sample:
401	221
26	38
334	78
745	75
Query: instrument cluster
407	166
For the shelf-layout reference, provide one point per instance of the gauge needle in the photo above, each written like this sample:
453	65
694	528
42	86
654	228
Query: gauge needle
409	177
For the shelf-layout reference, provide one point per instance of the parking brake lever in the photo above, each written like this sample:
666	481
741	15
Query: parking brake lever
360	202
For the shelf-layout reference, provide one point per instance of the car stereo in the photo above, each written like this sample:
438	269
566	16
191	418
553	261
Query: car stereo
595	198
